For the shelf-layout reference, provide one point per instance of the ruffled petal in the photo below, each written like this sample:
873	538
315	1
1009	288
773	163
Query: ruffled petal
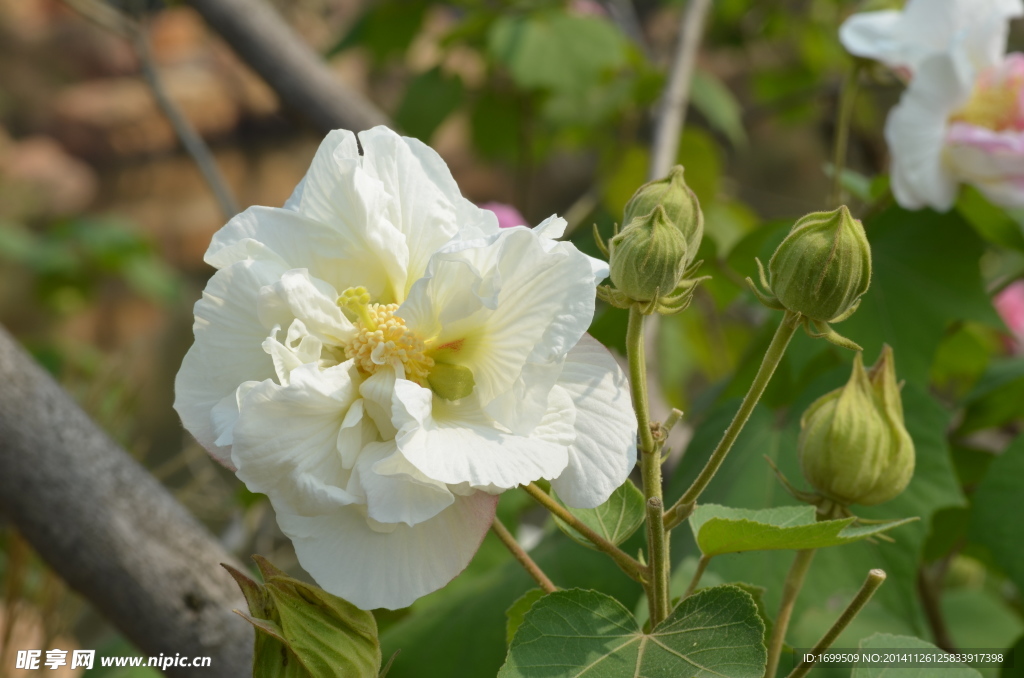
298	295
374	569
874	35
456	443
510	307
426	204
337	257
604	450
286	439
395	490
228	349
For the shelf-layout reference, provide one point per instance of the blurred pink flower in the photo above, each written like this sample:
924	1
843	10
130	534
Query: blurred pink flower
1010	304
508	216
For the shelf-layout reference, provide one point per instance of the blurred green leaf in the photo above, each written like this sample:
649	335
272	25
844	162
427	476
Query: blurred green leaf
998	397
885	641
993	516
926	276
716	103
556	51
715	632
429	99
495	125
615	520
990	221
385	30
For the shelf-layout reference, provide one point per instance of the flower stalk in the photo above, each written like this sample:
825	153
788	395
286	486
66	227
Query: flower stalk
847	99
650	467
628	564
791	589
520	554
682	509
875	579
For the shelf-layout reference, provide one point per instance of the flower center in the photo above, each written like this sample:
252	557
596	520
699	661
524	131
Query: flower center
996	101
382	338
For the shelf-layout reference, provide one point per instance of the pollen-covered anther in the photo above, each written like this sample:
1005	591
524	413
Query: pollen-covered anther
385	340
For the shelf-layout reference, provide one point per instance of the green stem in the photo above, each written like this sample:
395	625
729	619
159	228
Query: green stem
631	566
794	582
520	554
702	565
847	97
650	467
871	584
682	509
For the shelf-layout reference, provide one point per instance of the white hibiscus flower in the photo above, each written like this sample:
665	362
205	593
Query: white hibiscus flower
382	361
903	39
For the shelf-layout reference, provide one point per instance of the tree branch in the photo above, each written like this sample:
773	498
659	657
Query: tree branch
113	532
302	80
672	114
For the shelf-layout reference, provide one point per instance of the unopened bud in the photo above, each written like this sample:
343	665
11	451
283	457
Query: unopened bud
681	208
823	266
854	447
649	257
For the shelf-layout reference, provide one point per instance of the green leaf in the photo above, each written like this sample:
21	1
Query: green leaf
429	99
997	399
716	632
990	221
304	632
926	276
996	505
556	51
385	30
615	520
721	529
517	612
885	641
746	481
719	106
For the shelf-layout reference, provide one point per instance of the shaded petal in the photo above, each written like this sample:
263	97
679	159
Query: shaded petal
378	392
338	257
395	490
286	439
456	443
340	194
604	450
916	132
228	348
426	204
296	295
874	35
374	569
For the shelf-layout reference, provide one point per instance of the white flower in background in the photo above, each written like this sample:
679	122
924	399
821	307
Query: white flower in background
903	39
381	361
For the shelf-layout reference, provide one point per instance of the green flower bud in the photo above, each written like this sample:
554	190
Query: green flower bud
681	207
649	257
823	266
854	448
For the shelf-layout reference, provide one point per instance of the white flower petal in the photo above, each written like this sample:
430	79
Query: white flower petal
297	295
227	350
339	142
286	439
340	194
874	35
378	392
916	132
395	490
426	204
604	451
455	443
338	257
374	569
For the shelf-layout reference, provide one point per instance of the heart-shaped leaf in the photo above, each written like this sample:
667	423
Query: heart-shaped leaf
716	632
615	520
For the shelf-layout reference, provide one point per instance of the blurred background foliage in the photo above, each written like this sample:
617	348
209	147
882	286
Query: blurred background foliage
547	106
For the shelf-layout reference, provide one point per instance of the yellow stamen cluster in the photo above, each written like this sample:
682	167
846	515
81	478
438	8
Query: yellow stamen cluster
993	105
383	339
